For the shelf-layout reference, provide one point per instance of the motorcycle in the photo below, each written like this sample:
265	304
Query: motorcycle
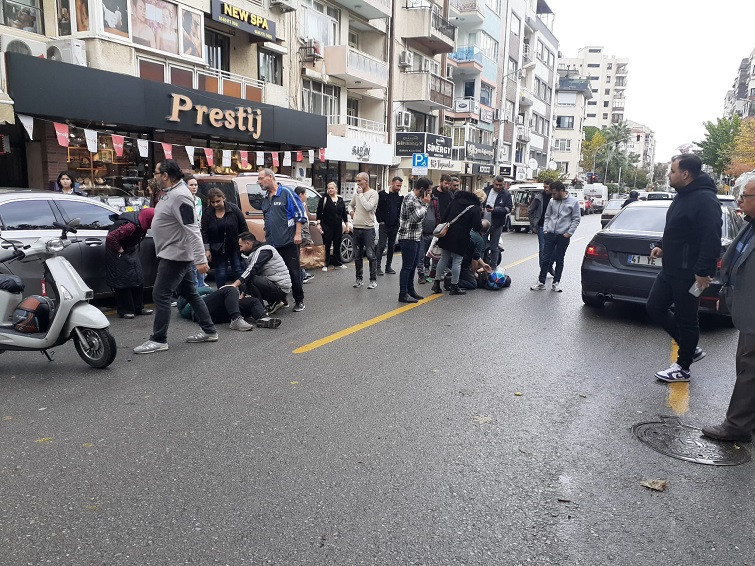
73	318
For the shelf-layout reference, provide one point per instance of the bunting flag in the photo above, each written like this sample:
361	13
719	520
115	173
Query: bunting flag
91	137
311	155
244	157
118	144
143	147
275	159
287	159
61	131
260	158
226	158
167	150
28	123
210	155
322	154
190	153
299	156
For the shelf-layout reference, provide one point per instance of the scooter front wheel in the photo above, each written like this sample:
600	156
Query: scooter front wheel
96	346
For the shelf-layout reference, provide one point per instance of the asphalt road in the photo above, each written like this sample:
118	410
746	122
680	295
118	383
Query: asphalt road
488	429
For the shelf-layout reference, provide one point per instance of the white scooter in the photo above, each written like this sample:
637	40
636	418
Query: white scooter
73	318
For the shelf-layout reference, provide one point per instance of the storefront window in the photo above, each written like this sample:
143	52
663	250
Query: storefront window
22	14
270	67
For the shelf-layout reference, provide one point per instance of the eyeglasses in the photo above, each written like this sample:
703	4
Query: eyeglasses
744	196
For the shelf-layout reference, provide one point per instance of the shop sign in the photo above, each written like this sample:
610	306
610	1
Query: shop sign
480	152
521	173
486	115
506	170
361	152
244	119
437	146
244	20
480	169
437	164
351	150
409	143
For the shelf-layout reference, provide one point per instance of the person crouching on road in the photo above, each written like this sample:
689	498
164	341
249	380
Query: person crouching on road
123	268
266	276
178	244
229	305
561	220
411	216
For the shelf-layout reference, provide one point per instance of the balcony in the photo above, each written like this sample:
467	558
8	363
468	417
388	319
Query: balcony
358	69
621	83
468	59
216	81
467	105
427	90
522	133
368	9
618	105
621	70
419	22
525	97
528	56
357	129
473	11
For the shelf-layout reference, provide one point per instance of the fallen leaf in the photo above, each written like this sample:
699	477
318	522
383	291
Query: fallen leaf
655	485
518	394
92	508
481	419
43	440
87	445
7	418
294	382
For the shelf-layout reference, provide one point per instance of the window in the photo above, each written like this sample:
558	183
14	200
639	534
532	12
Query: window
608	79
508	111
593	50
181	77
217	50
605	116
270	67
352	111
593	78
486	94
421	122
505	152
562	166
593	65
594	90
151	71
469	89
592	102
513	68
256	195
565	122
591	116
605	104
353	39
609	66
320	22
607	91
319	98
516	24
493	5
92	216
23	14
27	215
563	145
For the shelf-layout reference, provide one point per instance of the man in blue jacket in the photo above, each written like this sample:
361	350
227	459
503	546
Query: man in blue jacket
690	249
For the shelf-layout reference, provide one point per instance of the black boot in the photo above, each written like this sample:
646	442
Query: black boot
436	287
447	282
413	293
456	291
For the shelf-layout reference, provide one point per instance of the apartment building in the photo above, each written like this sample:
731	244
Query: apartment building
572	97
608	76
642	144
740	99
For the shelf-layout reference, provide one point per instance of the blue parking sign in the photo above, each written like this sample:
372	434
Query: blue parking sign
420	160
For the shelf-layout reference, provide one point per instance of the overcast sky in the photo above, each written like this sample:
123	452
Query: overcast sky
683	56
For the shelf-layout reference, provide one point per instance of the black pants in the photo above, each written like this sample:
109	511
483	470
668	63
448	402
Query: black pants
225	305
290	255
261	287
129	300
332	235
554	249
179	277
682	325
386	236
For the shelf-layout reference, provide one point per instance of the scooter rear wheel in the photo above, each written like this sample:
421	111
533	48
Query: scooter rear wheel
98	348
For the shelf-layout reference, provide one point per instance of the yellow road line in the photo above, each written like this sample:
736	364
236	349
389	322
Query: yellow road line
362	325
678	393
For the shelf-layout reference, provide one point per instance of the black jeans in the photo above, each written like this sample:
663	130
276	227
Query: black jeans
290	255
263	288
179	277
129	300
227	267
386	236
226	305
332	235
554	249
682	325
364	245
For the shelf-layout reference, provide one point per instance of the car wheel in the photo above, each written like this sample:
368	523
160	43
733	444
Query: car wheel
593	301
347	248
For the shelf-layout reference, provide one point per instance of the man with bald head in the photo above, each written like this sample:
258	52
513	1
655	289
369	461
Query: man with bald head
362	209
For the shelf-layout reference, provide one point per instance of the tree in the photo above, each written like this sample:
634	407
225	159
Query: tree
590	131
550	175
589	150
659	172
618	133
716	148
743	149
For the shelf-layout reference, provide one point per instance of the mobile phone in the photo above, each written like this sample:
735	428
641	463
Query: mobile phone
695	290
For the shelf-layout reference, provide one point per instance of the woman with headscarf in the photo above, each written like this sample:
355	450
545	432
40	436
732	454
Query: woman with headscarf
123	268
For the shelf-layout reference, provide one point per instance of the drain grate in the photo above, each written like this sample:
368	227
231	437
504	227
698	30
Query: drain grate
672	438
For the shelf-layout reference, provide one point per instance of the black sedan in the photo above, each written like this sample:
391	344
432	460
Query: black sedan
617	265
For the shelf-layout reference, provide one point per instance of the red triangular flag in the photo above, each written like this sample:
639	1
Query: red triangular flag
167	150
118	144
61	131
244	155
275	159
210	155
322	154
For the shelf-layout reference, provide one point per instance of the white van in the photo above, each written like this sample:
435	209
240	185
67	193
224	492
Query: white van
598	192
578	194
522	195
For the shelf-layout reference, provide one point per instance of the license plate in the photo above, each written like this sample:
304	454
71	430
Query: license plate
644	260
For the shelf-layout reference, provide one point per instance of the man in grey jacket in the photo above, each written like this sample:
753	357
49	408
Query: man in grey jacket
178	245
561	220
737	282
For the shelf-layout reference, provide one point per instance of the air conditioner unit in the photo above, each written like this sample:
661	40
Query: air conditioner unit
403	120
283	5
449	72
312	50
14	44
68	51
405	59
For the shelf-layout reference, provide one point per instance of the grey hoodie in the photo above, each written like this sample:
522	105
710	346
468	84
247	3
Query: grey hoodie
562	216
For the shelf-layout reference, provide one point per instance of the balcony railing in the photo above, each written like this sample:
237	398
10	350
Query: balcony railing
357	128
426	85
467	54
468	5
221	82
367	64
527	54
444	27
523	133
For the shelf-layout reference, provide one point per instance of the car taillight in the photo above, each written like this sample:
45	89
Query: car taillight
596	251
718	264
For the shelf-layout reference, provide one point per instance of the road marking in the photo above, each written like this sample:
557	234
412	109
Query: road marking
362	325
678	393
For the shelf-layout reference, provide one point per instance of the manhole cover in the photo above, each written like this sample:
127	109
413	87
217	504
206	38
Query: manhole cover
672	438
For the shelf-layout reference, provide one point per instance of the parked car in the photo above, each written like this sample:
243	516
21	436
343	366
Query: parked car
660	195
617	265
728	200
522	194
245	192
27	215
610	210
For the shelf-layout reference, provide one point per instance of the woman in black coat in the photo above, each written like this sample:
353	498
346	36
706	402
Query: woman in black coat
456	241
222	222
331	214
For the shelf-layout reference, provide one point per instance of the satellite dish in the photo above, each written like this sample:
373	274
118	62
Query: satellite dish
552	165
532	163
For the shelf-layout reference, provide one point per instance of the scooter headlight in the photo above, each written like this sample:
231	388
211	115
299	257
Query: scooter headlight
54	246
66	294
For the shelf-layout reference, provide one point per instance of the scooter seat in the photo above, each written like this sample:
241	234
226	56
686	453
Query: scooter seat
11	283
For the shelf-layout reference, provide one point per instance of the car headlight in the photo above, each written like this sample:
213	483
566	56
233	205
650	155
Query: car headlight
54	246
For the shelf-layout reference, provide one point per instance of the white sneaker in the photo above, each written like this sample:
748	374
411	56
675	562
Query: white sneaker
538	286
325	269
240	324
343	266
150	346
673	374
372	285
556	287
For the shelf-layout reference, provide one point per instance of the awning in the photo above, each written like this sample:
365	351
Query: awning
6	109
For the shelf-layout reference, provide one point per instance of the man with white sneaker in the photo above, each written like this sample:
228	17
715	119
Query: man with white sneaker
561	221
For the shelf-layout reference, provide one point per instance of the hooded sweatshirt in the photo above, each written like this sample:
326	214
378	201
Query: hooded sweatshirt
692	237
562	216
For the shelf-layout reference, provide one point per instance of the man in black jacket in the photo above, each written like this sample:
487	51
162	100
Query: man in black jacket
388	215
497	208
690	249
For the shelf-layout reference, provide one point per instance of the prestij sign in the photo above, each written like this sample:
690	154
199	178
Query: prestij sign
242	119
